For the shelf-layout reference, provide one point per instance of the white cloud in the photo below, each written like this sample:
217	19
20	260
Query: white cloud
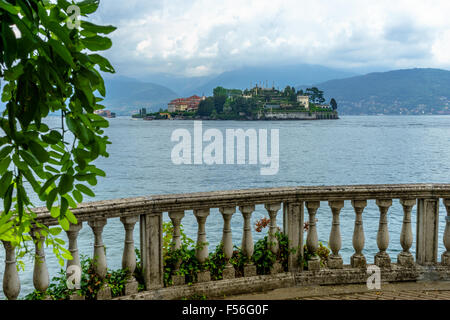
204	36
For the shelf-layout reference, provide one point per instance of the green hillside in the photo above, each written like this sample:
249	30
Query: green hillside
410	91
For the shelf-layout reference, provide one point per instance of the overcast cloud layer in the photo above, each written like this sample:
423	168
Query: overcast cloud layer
196	38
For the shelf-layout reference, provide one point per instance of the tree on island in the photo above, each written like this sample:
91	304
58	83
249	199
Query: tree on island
315	95
290	93
333	104
206	107
220	96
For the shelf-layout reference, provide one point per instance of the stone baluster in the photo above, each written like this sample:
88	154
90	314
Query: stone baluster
176	217
73	268
445	259
358	260
99	258
247	240
202	245
272	209
129	254
227	241
405	258
382	259
312	240
72	235
335	259
41	279
11	281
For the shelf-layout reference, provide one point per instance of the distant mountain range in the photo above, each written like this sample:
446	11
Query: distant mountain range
409	91
125	95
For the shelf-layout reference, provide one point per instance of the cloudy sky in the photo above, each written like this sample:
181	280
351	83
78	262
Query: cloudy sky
204	37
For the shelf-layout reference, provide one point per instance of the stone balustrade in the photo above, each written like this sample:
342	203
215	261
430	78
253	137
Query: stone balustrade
149	211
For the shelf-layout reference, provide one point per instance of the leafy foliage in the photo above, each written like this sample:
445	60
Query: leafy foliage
49	67
89	286
322	252
264	258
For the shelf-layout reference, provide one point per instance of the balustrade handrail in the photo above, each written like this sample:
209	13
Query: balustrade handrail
216	199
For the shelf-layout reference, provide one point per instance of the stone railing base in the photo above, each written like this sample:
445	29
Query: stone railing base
245	285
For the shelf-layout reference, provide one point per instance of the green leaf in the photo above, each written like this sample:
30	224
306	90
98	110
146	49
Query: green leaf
9	49
55	231
14	73
7	93
72	124
65	184
62	52
88	6
88	26
4	164
55	154
54	212
97	43
8	7
85	190
78	196
64	223
72	203
51	198
29	158
8	199
64	207
32	180
5	183
70	216
19	164
98	172
59	31
52	169
38	151
60	241
102	62
48	183
52	138
6	150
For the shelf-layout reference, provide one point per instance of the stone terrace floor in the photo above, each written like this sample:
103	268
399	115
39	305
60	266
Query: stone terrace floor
423	290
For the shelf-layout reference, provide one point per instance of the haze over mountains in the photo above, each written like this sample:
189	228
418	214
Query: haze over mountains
279	76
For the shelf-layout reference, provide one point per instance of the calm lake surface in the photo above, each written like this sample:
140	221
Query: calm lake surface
352	150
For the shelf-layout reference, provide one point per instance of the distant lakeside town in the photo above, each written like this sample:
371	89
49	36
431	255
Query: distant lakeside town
258	103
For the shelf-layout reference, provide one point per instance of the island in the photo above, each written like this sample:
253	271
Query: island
257	103
105	113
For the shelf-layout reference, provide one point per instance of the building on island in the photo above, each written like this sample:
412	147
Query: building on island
185	104
303	100
105	113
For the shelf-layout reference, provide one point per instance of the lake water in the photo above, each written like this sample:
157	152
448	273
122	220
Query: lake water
352	150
